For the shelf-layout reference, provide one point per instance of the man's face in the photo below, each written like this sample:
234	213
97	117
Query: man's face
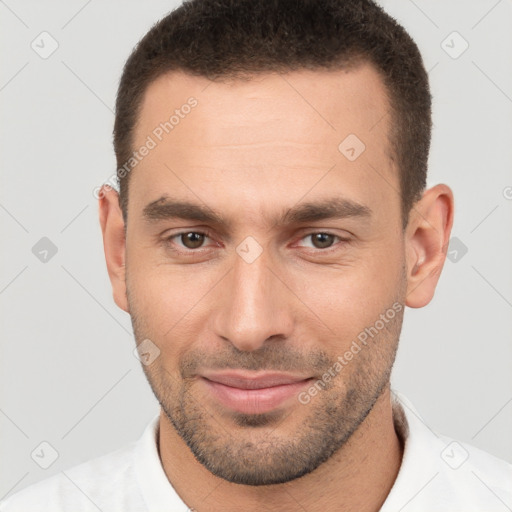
259	290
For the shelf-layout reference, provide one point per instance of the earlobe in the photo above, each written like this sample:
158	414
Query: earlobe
114	243
427	237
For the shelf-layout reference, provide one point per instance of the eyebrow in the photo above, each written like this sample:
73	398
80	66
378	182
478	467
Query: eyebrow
334	208
166	208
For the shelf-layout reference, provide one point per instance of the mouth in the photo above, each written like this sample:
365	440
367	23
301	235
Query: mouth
253	392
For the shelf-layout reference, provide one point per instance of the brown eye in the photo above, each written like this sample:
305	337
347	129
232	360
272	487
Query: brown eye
322	240
192	240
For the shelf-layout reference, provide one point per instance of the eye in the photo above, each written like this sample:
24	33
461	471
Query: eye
322	240
189	239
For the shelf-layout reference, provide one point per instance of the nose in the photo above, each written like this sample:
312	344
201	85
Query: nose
254	305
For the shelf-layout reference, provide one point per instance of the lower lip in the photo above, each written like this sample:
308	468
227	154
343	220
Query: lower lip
254	401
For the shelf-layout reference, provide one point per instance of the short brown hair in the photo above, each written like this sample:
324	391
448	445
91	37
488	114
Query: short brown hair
229	39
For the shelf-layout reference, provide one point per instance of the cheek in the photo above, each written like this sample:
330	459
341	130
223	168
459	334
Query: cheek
166	298
348	299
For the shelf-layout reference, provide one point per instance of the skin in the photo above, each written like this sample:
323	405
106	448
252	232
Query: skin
251	150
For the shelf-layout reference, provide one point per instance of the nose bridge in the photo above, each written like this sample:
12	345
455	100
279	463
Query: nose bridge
253	307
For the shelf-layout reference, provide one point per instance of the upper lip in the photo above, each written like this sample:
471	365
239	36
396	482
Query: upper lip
252	380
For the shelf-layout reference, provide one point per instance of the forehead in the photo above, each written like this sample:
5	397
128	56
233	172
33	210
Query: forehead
321	101
248	134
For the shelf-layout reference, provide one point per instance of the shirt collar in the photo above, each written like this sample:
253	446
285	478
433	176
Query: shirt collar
425	480
416	439
157	492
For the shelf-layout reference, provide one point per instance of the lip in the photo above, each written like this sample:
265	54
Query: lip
253	392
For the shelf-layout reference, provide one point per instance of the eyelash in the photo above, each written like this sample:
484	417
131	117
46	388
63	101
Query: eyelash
190	252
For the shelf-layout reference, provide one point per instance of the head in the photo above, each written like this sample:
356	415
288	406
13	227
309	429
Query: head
277	219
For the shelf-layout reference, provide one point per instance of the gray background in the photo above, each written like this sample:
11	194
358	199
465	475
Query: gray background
68	373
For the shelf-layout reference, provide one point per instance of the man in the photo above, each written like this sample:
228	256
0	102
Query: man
271	226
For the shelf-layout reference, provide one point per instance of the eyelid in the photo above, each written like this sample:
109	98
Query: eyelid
168	238
324	232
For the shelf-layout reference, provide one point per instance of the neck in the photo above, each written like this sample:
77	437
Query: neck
358	477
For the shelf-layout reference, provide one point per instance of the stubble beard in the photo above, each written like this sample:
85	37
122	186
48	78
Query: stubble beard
260	449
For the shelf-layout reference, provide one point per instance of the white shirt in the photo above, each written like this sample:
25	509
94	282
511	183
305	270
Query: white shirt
437	474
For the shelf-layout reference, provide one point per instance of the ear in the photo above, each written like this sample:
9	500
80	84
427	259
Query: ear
426	240
114	243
